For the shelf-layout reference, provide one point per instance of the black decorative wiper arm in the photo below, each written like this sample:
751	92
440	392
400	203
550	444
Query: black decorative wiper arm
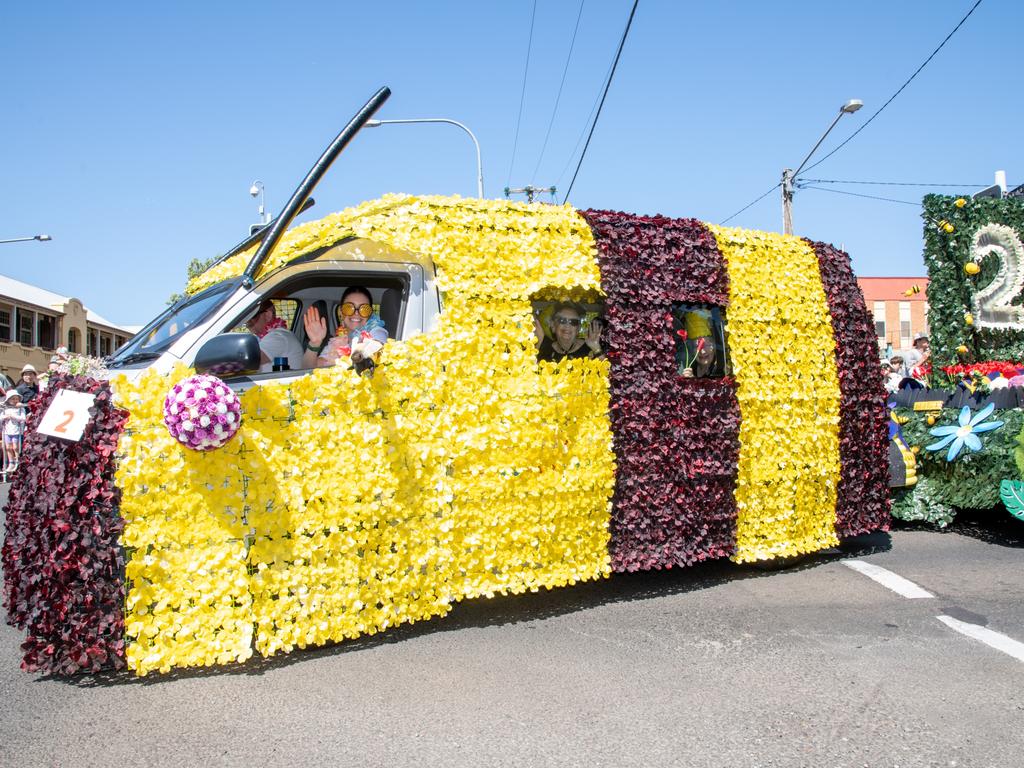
134	357
258	235
280	225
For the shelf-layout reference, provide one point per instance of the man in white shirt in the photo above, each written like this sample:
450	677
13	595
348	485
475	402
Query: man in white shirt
916	357
275	338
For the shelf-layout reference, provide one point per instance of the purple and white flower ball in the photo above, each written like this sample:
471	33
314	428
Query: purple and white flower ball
202	413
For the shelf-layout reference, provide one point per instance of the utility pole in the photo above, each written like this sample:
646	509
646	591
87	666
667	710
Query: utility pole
529	190
787	201
789	176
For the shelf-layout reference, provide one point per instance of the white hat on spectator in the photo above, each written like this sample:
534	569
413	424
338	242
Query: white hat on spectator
12	393
29	368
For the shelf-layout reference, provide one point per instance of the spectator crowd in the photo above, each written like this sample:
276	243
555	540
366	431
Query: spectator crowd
16	403
910	368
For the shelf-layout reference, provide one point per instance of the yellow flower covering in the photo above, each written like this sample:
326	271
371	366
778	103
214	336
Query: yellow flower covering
346	505
783	353
294	243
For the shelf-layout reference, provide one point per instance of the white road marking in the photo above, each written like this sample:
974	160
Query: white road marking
987	636
888	579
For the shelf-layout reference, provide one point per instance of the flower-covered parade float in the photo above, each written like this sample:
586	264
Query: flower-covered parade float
963	434
203	517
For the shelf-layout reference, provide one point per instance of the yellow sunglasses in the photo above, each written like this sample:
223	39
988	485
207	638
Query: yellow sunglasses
348	309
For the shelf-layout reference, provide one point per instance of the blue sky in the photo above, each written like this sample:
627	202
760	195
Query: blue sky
132	134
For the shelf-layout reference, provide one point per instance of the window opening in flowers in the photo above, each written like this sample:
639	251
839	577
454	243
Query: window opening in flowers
698	331
567	329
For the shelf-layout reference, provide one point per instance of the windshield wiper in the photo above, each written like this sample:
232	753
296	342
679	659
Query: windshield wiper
134	357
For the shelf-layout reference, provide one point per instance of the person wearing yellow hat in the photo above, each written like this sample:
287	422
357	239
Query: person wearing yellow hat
28	387
699	358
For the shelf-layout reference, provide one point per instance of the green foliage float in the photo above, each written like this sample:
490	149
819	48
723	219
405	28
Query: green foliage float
950	288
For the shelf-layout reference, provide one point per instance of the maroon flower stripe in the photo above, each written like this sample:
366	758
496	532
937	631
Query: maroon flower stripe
63	565
863	495
676	440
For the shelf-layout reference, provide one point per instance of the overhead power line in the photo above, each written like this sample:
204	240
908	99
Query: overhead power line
558	98
887	183
607	85
522	95
899	91
752	202
869	197
583	132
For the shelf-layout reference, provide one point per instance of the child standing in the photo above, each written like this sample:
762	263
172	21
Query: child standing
13	420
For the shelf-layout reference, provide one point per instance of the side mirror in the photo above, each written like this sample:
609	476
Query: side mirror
229	354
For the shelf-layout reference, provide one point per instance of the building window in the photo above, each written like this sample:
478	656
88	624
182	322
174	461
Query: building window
104	345
46	331
906	333
5	324
91	349
26	321
74	341
879	310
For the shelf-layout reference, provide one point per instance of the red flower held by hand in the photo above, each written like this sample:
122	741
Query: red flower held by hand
681	333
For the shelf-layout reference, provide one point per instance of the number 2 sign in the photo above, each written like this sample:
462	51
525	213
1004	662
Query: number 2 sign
67	415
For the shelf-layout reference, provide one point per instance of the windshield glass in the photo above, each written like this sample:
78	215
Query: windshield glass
156	337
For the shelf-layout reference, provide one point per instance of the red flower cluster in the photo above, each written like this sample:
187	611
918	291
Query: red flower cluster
863	494
63	565
1005	367
676	440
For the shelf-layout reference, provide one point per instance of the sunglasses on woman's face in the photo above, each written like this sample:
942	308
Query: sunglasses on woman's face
573	321
348	309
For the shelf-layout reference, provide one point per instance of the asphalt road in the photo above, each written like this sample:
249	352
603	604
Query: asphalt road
716	665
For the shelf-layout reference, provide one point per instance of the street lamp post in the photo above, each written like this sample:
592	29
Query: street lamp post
40	238
479	165
789	176
257	189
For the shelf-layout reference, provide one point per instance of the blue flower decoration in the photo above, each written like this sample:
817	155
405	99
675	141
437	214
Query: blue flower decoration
964	433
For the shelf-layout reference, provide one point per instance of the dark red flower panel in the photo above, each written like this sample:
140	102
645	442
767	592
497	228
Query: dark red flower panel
676	440
862	503
63	565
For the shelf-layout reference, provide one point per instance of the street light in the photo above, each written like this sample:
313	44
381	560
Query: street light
789	176
479	165
40	238
257	189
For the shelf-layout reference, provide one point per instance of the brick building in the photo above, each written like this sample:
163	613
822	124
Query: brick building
898	317
34	322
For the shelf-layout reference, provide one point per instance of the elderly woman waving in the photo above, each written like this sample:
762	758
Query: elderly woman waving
566	319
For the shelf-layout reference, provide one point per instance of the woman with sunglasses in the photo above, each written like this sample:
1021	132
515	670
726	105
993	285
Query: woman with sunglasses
360	336
565	328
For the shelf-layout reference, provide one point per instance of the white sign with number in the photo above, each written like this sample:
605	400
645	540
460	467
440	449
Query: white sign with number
67	415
